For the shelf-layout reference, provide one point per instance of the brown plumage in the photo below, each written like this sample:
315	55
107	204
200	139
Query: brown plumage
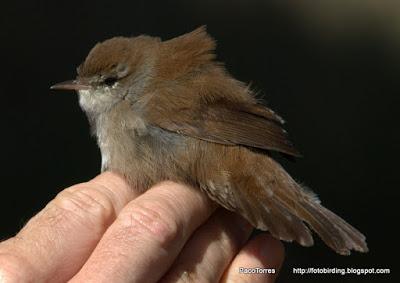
166	110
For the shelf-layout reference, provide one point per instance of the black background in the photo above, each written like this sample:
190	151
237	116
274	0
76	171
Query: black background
331	73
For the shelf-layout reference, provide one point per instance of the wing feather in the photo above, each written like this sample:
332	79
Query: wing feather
226	123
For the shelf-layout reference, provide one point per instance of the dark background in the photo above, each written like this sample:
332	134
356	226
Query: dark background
330	71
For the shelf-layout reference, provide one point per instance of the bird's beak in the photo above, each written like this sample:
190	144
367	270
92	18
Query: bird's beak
72	85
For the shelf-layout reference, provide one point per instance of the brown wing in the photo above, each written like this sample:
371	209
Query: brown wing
223	122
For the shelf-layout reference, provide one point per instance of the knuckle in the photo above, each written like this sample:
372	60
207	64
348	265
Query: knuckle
227	246
150	219
187	277
85	203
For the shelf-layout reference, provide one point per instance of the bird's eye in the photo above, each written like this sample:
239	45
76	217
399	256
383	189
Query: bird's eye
110	81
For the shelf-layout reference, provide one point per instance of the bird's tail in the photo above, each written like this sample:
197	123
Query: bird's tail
285	206
333	230
271	200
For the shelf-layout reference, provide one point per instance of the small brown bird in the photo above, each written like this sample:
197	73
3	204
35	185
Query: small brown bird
165	110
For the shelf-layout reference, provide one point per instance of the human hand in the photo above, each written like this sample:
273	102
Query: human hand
102	231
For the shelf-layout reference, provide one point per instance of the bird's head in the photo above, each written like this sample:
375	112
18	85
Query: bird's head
113	69
121	68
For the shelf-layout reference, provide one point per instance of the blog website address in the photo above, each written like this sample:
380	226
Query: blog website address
340	271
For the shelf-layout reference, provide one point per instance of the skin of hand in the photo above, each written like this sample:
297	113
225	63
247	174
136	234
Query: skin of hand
102	231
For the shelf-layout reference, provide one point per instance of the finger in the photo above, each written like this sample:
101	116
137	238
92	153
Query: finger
211	248
56	242
147	235
264	252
